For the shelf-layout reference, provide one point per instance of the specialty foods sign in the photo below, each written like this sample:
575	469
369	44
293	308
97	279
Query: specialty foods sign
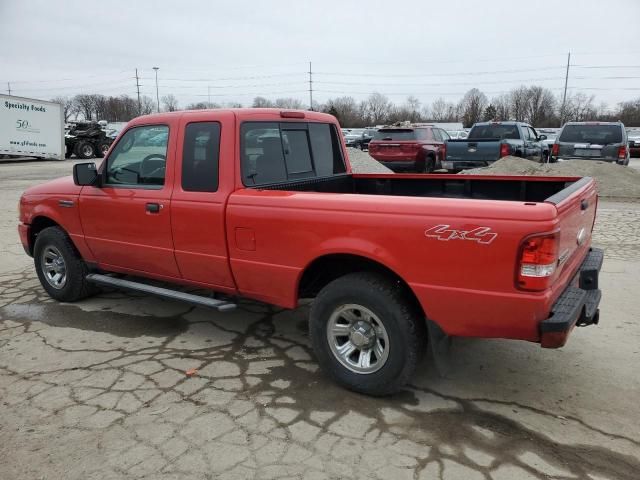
31	128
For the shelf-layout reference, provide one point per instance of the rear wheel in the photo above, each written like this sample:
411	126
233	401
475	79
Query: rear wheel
366	333
85	150
429	165
60	269
103	148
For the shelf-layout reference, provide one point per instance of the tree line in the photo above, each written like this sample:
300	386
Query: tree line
535	105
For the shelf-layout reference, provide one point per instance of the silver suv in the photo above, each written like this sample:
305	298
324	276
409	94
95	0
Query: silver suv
605	141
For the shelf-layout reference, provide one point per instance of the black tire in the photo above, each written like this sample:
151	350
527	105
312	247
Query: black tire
404	327
76	286
102	148
67	152
430	165
85	150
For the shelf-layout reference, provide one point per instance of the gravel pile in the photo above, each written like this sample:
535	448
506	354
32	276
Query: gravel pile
613	180
361	162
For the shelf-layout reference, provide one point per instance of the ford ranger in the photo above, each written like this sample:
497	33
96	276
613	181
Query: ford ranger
490	141
261	203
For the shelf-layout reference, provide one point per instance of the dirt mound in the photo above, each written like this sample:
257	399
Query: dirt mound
361	162
613	180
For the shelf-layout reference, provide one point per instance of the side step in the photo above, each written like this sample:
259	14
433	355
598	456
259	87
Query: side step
119	283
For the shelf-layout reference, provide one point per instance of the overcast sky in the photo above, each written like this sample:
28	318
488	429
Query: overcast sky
239	49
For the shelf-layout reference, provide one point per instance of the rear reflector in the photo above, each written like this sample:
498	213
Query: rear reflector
287	114
537	262
505	150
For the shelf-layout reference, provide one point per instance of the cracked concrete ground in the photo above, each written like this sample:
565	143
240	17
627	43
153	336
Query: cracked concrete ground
98	389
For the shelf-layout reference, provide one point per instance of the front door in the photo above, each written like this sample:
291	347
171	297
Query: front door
127	219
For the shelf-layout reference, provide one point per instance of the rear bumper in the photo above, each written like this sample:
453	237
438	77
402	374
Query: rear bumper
577	305
458	165
400	164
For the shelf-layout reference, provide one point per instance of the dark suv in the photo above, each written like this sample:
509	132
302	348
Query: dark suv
605	141
418	148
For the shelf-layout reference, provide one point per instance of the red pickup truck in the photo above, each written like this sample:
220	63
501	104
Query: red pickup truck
261	203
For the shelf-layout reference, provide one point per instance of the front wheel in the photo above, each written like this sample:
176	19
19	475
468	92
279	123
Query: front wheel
60	269
366	333
85	150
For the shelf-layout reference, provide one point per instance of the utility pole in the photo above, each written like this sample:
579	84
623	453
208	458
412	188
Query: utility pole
9	87
566	80
157	94
208	96
310	88
138	89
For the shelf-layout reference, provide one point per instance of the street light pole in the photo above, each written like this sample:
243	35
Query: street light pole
157	94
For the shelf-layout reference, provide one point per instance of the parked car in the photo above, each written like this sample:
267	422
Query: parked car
355	138
386	258
490	141
414	148
634	143
605	141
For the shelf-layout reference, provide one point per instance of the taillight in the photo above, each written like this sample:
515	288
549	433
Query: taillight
555	149
505	150
538	260
409	147
622	153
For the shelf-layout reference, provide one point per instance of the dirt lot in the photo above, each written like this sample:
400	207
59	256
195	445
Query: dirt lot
97	390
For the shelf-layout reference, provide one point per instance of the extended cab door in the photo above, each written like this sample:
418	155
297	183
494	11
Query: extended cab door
126	219
204	177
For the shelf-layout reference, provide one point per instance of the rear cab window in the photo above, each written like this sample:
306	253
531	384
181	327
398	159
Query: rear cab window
274	152
200	157
596	134
498	131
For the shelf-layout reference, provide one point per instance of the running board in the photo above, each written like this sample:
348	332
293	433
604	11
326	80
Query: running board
119	283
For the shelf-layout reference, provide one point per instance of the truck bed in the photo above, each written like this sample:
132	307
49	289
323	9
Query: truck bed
507	188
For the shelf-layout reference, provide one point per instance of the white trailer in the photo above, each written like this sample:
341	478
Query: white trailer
31	128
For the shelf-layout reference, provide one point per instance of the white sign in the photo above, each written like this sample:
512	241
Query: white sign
31	128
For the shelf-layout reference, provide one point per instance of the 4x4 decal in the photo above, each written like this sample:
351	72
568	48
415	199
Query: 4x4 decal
444	233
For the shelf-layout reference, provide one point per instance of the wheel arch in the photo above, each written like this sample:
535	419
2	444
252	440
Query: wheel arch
38	224
326	268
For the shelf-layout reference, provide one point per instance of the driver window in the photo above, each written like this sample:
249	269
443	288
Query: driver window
139	157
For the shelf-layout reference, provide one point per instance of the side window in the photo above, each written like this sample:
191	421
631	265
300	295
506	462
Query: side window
533	133
445	136
139	158
278	152
200	157
526	134
423	133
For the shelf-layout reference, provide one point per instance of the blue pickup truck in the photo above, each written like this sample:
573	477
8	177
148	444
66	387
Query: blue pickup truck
490	141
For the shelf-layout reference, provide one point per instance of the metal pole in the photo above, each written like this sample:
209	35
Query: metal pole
138	89
566	81
9	87
208	96
157	94
310	89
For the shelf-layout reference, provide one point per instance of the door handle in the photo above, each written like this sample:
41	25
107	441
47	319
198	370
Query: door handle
153	207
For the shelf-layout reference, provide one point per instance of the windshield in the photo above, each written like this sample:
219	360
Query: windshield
600	134
494	131
395	134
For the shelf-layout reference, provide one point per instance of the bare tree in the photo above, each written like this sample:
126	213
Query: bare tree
292	103
378	107
202	106
67	106
540	106
170	103
261	102
579	107
85	105
345	109
503	106
439	110
472	105
519	99
147	105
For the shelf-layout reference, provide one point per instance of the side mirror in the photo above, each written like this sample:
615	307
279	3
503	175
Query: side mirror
85	174
542	137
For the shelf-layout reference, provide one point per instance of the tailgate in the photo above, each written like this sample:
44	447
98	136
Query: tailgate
473	150
576	207
588	151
